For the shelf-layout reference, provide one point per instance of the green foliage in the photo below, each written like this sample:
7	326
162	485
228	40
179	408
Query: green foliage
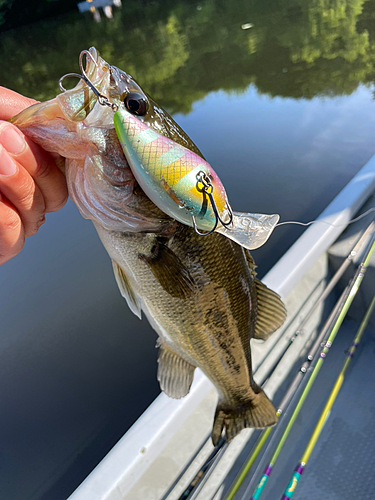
14	13
5	5
179	53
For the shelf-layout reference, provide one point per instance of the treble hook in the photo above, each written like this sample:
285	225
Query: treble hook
208	190
80	60
102	99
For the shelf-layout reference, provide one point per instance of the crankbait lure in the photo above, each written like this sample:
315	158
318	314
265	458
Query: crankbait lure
179	181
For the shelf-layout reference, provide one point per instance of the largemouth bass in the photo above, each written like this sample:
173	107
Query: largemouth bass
200	294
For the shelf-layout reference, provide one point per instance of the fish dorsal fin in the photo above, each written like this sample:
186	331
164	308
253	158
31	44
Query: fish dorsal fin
175	375
168	269
250	230
126	289
271	312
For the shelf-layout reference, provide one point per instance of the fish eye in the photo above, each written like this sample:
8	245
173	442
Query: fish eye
136	103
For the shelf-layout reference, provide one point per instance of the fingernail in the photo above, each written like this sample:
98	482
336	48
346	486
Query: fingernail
12	140
7	164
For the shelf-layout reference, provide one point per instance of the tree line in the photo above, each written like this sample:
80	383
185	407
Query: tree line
181	50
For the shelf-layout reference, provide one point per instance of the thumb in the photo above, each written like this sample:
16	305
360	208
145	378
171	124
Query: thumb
12	103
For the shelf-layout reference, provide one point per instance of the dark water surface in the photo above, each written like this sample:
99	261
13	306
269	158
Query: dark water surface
284	112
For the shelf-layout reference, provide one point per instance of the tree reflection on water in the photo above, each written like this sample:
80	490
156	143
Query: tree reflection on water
180	51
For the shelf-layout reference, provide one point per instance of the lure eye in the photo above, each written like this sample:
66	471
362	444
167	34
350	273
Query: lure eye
136	103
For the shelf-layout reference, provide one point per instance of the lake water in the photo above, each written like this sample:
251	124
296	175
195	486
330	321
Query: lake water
285	113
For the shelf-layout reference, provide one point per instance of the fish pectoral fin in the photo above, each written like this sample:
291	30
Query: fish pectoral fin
126	290
257	414
271	312
168	269
175	375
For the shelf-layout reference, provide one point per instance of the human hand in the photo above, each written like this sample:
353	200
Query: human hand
31	185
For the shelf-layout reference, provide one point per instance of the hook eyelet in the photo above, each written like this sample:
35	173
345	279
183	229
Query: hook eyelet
208	189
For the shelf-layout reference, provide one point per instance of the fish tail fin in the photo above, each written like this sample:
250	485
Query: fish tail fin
257	414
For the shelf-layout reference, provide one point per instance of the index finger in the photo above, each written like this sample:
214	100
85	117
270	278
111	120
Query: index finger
12	103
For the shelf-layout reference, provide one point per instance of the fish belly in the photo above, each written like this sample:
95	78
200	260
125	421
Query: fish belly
210	330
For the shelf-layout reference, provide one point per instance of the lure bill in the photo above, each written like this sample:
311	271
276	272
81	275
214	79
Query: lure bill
185	186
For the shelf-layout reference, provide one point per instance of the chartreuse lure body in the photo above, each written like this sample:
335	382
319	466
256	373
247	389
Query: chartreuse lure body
185	186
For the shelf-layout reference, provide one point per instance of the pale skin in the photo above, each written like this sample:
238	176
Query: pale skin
31	185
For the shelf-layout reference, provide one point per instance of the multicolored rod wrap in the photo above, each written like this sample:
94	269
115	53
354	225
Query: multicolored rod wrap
170	174
357	280
262	483
288	493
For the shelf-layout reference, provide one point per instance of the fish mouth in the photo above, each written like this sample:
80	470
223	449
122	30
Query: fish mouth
94	74
110	81
118	83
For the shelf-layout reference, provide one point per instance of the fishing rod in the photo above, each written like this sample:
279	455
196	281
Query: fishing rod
185	469
329	287
208	466
293	483
355	284
293	388
200	479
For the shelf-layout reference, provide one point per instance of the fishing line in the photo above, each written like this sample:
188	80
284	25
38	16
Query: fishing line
325	222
